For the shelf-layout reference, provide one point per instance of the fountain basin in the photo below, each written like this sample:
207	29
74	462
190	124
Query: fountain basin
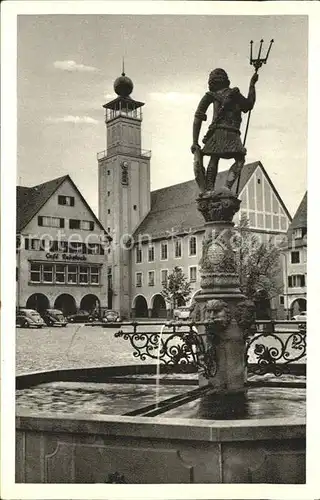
58	447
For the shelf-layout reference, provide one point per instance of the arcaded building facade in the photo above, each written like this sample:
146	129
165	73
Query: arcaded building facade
61	256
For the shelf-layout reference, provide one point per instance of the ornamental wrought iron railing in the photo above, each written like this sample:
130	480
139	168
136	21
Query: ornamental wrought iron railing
274	347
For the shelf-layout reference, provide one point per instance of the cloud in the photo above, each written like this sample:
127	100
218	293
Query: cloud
73	119
173	97
73	66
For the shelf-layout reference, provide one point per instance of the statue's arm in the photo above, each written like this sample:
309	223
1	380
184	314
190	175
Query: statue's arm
199	117
248	103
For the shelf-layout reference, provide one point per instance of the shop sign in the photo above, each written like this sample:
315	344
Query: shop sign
65	256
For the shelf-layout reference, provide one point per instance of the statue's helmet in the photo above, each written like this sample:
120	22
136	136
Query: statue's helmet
218	79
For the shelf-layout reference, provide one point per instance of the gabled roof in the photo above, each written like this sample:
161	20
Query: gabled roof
299	221
31	199
300	218
174	208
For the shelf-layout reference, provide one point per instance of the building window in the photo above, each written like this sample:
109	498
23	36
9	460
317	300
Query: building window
138	255
50	221
85	225
295	257
108	229
151	278
35	273
94	249
281	300
138	279
296	280
60	273
177	249
48	273
259	181
164	250
63	246
72	274
164	276
35	244
83	275
151	253
64	273
297	234
109	211
192	246
66	200
76	247
193	273
94	275
74	224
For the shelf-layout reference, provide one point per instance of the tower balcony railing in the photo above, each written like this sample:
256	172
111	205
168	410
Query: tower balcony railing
120	149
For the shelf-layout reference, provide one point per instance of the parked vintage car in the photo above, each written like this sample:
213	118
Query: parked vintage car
300	317
181	313
54	317
80	317
110	316
26	318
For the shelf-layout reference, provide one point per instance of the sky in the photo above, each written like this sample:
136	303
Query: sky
67	65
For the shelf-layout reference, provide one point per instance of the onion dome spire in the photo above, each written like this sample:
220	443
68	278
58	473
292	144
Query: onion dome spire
123	85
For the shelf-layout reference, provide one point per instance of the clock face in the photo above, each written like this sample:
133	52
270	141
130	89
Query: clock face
125	164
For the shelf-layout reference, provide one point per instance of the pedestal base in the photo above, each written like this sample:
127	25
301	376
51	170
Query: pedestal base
219	299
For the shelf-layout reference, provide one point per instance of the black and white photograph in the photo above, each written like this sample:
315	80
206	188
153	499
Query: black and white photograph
157	201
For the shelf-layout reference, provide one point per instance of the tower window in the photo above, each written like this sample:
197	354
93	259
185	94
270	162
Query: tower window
108	229
108	193
108	210
134	207
108	172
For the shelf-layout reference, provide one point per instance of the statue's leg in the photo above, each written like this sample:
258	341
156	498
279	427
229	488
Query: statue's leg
235	171
212	171
199	170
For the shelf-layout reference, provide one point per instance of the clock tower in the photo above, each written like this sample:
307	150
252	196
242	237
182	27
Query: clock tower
124	188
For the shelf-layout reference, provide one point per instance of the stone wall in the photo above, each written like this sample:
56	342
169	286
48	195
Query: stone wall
73	449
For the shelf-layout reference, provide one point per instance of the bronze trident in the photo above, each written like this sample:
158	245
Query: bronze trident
256	63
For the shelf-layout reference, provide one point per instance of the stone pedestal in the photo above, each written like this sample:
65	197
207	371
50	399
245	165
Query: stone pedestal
220	301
